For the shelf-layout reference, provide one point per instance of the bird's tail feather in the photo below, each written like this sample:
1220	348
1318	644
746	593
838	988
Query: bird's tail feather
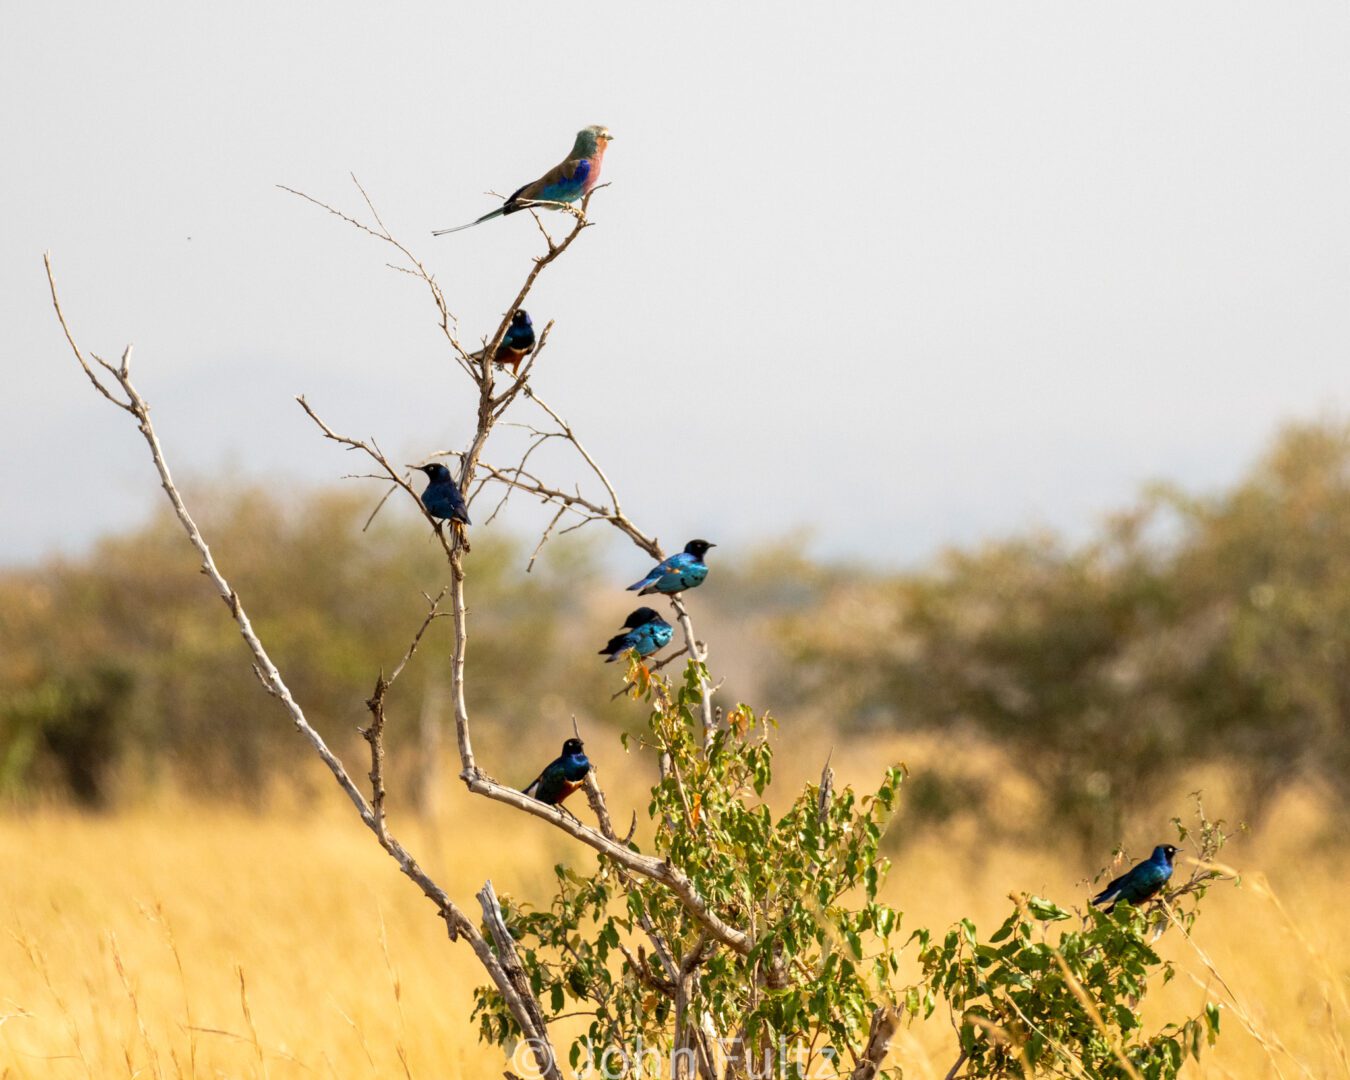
531	785
616	646
460	228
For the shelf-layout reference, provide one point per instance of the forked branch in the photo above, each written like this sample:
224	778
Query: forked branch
457	924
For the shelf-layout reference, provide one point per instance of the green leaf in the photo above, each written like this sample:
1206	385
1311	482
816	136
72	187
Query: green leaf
1046	910
1212	1020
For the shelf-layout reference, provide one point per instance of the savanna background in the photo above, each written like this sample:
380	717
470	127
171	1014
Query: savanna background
185	891
1002	349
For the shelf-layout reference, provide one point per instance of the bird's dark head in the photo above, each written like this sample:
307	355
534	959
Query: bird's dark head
521	318
436	472
571	746
1165	851
641	617
698	548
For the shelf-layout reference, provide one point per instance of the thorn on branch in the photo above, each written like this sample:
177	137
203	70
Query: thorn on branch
266	682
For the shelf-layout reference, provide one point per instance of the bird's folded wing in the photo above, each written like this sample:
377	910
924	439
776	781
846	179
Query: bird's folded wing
568	174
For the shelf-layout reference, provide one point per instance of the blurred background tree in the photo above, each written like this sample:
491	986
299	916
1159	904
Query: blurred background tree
1190	632
113	657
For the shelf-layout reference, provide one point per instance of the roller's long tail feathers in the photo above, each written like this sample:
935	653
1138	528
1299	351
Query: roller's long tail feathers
459	228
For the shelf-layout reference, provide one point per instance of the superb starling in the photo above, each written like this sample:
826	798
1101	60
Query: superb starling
1141	881
562	776
683	571
566	182
645	632
441	497
516	344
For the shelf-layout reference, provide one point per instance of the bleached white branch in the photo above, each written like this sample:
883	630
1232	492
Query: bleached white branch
457	923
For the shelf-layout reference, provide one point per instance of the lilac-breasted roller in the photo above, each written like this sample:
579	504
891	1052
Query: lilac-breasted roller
566	182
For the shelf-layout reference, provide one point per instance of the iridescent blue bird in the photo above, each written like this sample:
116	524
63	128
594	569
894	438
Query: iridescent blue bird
645	632
683	571
561	776
441	497
568	181
1141	881
516	343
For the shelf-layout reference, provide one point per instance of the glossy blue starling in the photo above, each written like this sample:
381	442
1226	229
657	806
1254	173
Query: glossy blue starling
645	632
441	497
677	573
1140	882
516	343
561	776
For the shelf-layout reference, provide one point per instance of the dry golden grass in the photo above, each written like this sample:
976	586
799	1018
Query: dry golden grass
179	940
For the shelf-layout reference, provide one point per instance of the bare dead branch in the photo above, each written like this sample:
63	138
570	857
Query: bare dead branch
699	652
380	505
518	479
531	485
65	329
536	442
543	539
571	436
596	798
515	972
648	866
490	408
433	613
457	924
447	321
372	450
374	735
885	1023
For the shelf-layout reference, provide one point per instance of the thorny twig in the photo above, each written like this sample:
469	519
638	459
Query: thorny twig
415	266
373	451
374	735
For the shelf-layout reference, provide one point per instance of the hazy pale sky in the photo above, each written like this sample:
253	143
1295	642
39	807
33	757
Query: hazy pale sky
905	274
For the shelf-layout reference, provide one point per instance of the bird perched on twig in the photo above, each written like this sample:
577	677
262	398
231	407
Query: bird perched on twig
645	632
561	776
516	343
683	571
1141	881
441	497
566	182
